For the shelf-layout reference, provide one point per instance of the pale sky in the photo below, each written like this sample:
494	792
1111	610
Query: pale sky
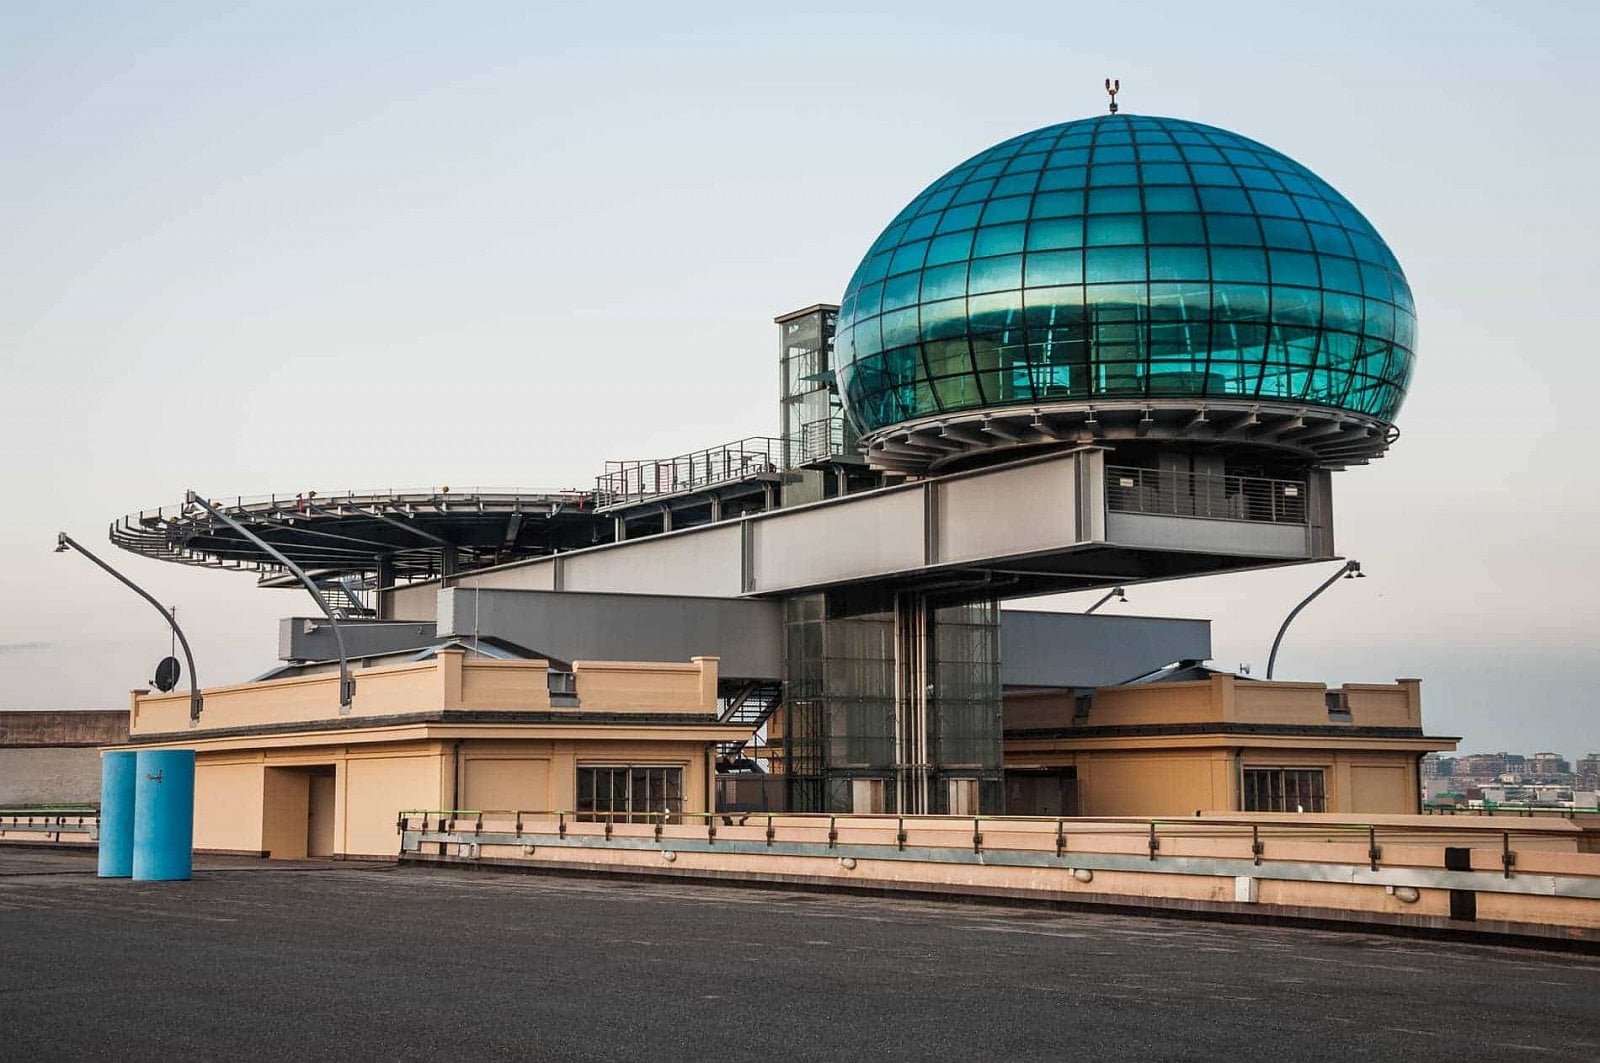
271	247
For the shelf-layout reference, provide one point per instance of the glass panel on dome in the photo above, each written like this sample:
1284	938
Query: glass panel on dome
1163	152
1224	200
1016	184
1014	208
995	274
1330	239
1115	229
972	192
1069	177
1058	204
944	320
999	240
954	247
1188	301
1113	200
1179	263
1283	232
1339	273
1296	306
1168	173
921	228
1107	153
908	257
1266	181
1055	233
1161	200
1116	302
900	327
1342	311
1237	229
1208	174
1050	268
1240	302
1239	264
1175	229
1293	267
1116	174
901	291
1114	264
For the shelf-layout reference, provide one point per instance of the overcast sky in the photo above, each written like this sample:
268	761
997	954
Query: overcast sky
268	247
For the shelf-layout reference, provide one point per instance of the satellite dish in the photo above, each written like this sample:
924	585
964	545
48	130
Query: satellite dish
167	673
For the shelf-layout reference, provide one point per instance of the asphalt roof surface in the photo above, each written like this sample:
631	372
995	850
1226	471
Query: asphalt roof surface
256	961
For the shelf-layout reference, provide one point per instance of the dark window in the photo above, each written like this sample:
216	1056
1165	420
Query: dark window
1285	790
629	794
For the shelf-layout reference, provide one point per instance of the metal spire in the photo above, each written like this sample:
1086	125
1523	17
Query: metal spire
1112	87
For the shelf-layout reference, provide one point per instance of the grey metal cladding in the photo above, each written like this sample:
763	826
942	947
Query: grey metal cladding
570	625
1076	650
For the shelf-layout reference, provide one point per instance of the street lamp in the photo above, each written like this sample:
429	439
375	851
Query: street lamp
1348	570
347	685
1116	592
65	542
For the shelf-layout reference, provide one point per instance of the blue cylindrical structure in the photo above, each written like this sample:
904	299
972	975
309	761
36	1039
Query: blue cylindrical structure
163	824
117	771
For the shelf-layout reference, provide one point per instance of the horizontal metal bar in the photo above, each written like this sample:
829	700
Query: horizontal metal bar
1538	885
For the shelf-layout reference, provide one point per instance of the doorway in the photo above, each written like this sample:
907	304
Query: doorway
1042	792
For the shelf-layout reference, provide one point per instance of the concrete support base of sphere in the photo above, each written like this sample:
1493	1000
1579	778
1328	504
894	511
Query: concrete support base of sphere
163	819
118	770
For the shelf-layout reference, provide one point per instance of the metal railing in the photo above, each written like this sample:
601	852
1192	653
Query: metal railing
818	441
634	481
1081	842
1207	495
51	820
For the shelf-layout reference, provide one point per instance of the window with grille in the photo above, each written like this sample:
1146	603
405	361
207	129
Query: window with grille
1285	790
629	793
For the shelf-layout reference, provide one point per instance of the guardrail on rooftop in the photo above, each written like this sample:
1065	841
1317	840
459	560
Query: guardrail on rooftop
1197	494
635	481
1530	874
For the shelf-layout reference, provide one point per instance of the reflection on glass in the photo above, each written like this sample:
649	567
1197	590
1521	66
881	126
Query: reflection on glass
1124	255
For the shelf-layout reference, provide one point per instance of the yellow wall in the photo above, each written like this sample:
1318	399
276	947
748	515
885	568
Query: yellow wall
450	681
1157	783
276	800
228	803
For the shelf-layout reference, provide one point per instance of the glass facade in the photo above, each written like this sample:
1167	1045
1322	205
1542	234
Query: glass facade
1125	257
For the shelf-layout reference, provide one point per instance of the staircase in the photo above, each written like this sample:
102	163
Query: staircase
750	704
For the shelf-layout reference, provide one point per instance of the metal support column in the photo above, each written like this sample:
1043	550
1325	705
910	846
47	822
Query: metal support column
385	584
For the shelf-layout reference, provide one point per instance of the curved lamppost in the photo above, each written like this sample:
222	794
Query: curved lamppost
65	542
1115	592
347	685
1348	570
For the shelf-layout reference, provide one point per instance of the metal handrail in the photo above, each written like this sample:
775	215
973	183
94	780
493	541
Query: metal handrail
742	459
1170	492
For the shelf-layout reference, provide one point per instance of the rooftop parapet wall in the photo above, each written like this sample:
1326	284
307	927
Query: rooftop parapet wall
62	727
1225	699
450	682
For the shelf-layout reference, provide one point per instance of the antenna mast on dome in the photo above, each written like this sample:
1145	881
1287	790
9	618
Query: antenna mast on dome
1113	86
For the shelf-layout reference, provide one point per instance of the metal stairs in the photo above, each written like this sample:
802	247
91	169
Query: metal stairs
750	704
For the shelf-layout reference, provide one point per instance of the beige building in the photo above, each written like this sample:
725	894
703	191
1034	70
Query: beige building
1195	740
280	772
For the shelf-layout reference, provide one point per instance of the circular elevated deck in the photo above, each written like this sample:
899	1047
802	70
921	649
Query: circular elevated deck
417	534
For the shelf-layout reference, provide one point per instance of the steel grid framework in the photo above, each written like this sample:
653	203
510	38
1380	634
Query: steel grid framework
406	534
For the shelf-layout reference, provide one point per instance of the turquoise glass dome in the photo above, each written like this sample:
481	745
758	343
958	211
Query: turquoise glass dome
1125	257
